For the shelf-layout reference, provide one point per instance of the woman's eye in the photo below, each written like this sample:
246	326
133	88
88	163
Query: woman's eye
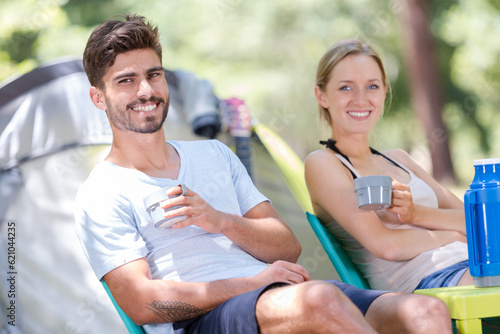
373	87
345	88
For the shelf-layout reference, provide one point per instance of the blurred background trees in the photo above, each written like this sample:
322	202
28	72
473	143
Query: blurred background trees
266	52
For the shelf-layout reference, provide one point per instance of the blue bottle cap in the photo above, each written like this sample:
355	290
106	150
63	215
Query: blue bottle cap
482	162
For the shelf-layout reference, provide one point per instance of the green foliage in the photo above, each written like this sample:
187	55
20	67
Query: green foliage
266	53
90	13
20	45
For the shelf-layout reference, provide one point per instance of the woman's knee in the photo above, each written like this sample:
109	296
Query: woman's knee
425	314
426	305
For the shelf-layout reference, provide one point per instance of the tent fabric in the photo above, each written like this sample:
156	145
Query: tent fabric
13	88
50	117
56	290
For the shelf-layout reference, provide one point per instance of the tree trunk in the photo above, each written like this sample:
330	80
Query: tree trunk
425	87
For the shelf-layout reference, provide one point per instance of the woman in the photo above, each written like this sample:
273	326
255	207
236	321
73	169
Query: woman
420	241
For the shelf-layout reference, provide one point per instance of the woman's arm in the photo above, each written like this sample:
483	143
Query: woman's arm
331	188
450	212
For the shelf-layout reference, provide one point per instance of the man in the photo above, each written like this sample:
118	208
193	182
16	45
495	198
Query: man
229	267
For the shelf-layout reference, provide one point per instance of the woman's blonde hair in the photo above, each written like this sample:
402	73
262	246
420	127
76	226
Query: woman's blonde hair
333	56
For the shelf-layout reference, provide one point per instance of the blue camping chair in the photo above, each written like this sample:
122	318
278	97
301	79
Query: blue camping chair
347	270
131	326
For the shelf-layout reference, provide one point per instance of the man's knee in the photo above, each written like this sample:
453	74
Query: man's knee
323	302
309	307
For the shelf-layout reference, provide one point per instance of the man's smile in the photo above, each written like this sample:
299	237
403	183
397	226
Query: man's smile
145	107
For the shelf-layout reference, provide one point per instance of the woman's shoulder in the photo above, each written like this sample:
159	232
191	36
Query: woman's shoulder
321	158
323	165
315	155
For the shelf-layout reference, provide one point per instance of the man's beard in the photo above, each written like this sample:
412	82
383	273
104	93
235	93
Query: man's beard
121	118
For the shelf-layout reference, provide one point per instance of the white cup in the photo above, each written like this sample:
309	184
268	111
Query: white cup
152	203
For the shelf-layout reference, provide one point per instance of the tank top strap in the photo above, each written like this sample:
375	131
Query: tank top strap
374	151
330	143
349	166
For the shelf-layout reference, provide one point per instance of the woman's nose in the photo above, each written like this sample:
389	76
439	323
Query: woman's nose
360	97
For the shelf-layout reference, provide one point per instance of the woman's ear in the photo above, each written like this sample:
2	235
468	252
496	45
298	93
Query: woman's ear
320	97
97	97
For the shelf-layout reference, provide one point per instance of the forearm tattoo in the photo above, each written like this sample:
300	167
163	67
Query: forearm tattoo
172	311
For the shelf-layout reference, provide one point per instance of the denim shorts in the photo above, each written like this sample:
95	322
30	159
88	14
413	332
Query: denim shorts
237	315
448	276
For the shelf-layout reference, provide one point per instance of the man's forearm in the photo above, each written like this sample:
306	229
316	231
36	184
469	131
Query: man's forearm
160	301
171	311
267	239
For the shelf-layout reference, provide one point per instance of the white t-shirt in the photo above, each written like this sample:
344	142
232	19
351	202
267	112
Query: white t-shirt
114	227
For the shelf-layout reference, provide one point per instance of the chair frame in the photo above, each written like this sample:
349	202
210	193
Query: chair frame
129	324
347	270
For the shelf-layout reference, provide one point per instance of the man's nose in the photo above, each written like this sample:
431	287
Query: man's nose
145	90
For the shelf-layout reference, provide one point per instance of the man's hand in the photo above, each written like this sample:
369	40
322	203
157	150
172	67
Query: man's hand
283	271
198	212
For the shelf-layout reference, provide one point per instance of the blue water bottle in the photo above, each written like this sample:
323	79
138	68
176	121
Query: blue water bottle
482	220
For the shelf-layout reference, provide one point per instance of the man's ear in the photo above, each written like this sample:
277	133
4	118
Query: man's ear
320	97
97	97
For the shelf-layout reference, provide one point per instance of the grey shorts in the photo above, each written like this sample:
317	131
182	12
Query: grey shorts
237	315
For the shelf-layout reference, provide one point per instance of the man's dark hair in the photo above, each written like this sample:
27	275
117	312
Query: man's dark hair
114	37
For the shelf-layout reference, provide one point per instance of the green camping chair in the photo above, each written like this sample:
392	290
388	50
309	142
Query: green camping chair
347	270
131	326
